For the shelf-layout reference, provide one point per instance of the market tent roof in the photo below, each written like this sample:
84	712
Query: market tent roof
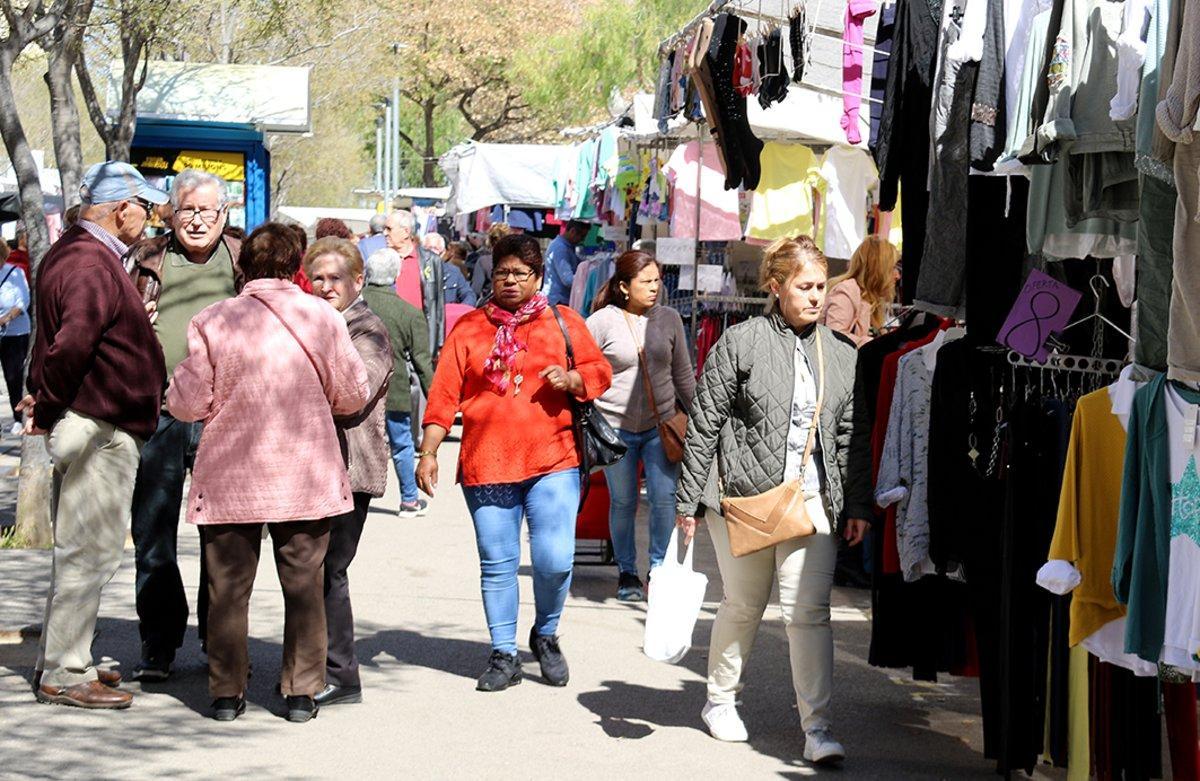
483	175
307	216
273	98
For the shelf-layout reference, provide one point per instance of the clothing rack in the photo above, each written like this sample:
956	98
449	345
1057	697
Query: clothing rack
1085	364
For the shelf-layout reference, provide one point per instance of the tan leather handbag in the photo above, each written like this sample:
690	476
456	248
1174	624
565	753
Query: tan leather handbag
767	519
673	430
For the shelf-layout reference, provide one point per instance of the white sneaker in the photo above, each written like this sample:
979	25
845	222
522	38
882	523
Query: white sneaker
821	749
16	429
724	723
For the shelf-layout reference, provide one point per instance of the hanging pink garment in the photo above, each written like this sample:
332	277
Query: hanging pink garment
857	12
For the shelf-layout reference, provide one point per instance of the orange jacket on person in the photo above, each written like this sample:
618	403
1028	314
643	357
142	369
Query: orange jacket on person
526	431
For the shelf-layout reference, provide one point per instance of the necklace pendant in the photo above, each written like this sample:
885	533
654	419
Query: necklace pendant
973	454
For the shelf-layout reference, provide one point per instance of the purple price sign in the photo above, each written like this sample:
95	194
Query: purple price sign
1044	307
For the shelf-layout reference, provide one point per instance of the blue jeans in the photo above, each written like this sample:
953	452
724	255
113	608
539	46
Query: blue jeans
399	431
550	503
622	477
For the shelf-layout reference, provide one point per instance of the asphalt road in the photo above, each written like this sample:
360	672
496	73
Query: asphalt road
422	641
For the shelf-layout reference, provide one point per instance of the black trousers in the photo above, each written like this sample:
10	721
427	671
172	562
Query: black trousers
13	350
162	605
341	666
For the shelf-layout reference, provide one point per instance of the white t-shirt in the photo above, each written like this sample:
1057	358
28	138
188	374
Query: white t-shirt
851	182
1181	638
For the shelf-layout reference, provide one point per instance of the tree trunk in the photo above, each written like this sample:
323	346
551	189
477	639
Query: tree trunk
64	121
429	164
33	485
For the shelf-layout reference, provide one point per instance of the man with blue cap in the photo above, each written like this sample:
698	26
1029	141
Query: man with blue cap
96	378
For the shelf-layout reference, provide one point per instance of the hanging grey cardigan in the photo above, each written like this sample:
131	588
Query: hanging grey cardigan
743	409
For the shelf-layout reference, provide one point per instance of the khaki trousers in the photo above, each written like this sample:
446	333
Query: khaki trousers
95	464
231	554
803	569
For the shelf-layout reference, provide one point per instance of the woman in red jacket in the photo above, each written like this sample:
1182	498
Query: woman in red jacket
504	367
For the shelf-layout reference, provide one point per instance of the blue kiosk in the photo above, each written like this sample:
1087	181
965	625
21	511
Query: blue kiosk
216	118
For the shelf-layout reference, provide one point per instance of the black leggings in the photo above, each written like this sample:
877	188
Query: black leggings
13	350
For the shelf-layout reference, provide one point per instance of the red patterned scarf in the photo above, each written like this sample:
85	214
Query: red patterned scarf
498	367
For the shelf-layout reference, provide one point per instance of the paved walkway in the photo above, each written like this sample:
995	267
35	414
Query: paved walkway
422	641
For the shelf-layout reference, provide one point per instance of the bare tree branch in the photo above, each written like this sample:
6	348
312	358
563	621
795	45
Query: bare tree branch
371	22
95	111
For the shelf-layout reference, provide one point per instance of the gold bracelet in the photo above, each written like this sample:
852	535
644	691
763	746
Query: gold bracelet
424	453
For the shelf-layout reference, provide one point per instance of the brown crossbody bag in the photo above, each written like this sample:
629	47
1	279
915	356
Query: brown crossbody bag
767	519
673	430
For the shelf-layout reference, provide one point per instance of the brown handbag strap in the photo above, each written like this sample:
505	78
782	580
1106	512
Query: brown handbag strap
645	366
812	431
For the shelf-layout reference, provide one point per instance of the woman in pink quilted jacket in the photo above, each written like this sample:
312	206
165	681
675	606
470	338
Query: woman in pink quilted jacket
266	372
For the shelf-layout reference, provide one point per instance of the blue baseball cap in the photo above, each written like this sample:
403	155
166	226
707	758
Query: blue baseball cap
115	181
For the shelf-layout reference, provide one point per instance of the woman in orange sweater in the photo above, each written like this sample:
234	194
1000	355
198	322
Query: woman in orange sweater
504	367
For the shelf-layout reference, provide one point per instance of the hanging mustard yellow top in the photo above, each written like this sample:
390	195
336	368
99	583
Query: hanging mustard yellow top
1088	509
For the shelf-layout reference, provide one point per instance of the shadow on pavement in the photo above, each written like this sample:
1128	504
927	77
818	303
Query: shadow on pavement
464	658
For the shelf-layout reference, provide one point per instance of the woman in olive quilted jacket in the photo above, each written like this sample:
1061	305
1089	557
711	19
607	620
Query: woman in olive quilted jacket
756	403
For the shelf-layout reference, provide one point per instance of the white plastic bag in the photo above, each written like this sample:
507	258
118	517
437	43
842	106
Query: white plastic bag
676	596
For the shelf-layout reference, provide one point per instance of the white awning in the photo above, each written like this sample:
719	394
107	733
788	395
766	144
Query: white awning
274	98
483	175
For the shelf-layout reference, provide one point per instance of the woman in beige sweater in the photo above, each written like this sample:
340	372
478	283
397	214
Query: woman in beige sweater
627	320
857	301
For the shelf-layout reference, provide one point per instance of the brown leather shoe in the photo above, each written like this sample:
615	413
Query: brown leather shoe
111	678
92	694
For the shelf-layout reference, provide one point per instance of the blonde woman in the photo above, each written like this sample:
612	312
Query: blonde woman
756	403
858	300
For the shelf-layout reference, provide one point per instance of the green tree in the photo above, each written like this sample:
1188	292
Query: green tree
614	47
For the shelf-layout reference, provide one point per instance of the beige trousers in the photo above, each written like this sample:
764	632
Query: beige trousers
95	464
803	569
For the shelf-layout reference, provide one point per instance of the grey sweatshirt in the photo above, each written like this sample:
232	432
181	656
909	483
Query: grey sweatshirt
625	404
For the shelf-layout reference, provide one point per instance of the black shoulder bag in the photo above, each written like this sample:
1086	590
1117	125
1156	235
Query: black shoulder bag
597	442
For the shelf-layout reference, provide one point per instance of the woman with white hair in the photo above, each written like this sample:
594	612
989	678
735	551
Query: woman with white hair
410	347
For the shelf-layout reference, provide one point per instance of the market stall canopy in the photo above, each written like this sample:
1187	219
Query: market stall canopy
484	175
273	98
307	216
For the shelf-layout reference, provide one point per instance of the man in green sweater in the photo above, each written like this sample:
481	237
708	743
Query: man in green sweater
177	275
409	335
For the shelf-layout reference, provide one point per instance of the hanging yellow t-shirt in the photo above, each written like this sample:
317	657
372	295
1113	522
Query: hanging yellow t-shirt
1088	509
783	201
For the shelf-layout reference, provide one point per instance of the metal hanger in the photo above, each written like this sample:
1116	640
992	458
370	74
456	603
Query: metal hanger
1096	283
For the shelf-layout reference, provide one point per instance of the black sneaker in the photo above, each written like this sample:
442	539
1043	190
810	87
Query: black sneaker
503	670
152	669
228	708
301	709
333	694
629	588
554	664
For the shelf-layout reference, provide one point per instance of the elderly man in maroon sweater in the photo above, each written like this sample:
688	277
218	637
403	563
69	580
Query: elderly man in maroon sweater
95	385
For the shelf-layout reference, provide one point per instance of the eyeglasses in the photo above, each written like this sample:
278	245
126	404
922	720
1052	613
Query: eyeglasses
149	207
506	273
207	216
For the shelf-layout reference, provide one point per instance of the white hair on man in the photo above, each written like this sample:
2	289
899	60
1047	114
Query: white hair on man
403	218
377	224
383	266
434	242
191	178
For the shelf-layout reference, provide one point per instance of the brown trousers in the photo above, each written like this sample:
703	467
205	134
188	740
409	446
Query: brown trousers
231	553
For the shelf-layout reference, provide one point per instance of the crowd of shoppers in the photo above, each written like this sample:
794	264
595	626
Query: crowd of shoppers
171	355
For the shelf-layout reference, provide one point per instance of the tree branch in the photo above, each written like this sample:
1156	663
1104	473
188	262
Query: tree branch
371	21
95	112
